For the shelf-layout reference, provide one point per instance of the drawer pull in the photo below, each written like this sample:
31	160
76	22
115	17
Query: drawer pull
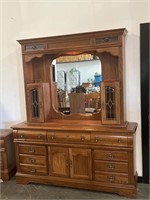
33	170
111	178
31	150
110	166
119	140
82	138
32	160
109	155
52	137
97	139
67	163
21	136
39	136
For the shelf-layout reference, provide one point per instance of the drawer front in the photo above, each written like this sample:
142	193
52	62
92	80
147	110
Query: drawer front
32	149
34	47
33	169
68	137
36	160
111	155
111	166
109	139
32	135
112	178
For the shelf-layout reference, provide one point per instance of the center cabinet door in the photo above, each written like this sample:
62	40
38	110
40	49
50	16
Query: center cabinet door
70	162
80	163
58	161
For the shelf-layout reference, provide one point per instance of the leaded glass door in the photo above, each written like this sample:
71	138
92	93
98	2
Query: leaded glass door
110	102
35	103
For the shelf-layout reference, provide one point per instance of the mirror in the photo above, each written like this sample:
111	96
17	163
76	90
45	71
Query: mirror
78	80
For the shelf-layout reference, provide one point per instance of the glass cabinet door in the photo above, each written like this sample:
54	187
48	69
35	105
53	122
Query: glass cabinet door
35	103
110	102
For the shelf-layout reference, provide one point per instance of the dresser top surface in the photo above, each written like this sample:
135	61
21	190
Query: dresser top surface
77	125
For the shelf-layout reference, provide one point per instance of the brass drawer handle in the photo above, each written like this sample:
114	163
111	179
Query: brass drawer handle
110	166
82	138
109	155
39	136
97	139
111	178
33	170
119	140
22	136
32	160
31	150
52	137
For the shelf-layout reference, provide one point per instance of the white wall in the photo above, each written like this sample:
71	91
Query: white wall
37	18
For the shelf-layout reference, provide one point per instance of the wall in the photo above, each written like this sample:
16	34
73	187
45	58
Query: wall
28	19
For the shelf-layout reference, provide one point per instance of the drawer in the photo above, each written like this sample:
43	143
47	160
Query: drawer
29	159
112	178
34	47
68	136
109	139
32	149
33	169
111	155
119	167
32	135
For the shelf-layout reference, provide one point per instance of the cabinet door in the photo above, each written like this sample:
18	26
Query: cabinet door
80	163
110	102
35	111
59	161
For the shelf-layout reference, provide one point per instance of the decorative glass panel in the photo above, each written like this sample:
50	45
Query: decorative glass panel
110	103
35	103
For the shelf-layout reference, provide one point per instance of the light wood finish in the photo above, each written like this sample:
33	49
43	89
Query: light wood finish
7	154
90	151
39	53
80	154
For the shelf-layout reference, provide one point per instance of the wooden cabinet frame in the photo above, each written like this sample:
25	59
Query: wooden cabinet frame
77	150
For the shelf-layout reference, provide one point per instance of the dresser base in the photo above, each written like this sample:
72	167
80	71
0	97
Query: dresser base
122	190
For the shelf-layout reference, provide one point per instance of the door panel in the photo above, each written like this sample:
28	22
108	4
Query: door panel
80	163
58	161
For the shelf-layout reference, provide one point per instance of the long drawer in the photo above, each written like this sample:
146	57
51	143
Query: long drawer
109	139
32	135
33	169
111	155
32	159
32	149
111	166
60	136
112	178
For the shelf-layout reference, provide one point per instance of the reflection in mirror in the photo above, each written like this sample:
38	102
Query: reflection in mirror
78	83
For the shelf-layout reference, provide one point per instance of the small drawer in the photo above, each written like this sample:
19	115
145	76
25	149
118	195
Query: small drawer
34	47
112	178
32	135
68	137
119	167
33	169
32	149
36	160
111	155
109	139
